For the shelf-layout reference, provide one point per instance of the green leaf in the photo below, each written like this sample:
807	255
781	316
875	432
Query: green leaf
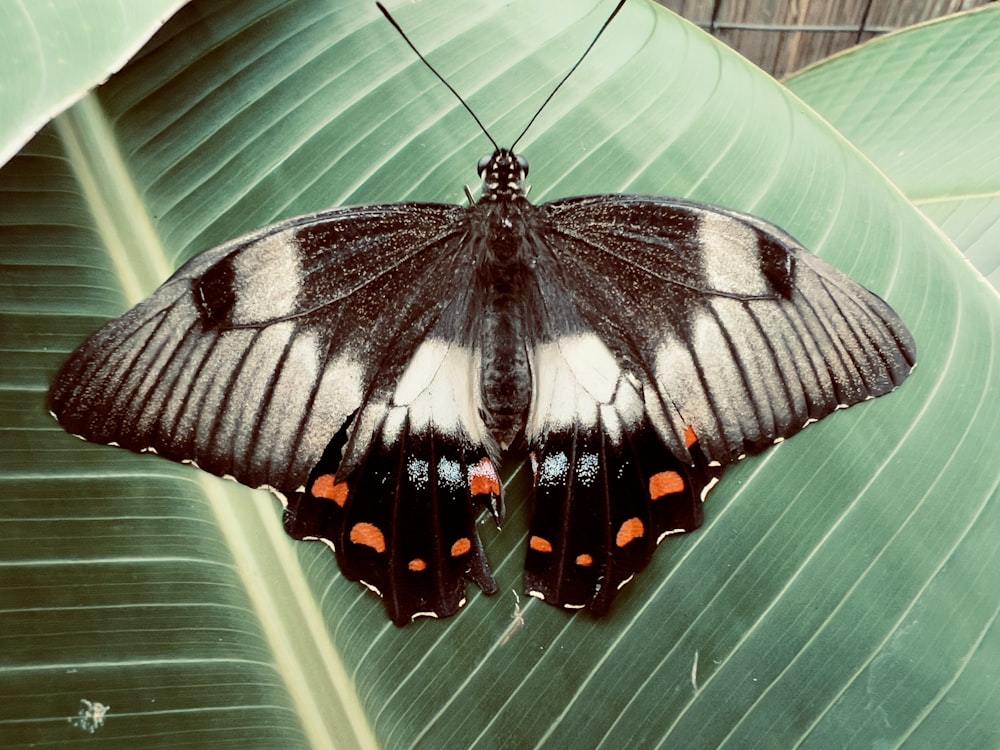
923	104
842	590
55	52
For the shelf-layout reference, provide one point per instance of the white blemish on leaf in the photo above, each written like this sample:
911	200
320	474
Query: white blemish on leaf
516	623
91	716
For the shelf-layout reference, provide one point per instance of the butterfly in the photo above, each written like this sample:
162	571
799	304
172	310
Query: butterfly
373	365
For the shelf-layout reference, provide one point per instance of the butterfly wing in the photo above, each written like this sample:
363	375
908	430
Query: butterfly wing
400	507
607	487
708	335
740	333
257	361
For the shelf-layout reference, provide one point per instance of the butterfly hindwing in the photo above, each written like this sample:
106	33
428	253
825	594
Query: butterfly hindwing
607	487
399	498
403	521
600	509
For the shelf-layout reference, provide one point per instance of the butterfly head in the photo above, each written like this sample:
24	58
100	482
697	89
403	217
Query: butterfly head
503	174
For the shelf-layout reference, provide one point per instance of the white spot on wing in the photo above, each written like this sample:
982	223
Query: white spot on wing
339	393
450	474
589	361
437	390
392	428
678	376
712	406
553	470
671	532
418	472
708	488
423	368
730	255
576	379
267	279
251	394
327	542
278	493
588	465
371	588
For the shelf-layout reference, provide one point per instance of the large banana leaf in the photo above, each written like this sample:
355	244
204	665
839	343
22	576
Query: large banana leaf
53	52
842	591
923	106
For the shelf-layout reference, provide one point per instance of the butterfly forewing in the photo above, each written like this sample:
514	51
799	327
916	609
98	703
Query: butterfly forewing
734	329
253	354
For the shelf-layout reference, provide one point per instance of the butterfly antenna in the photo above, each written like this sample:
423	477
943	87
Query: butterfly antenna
571	71
440	77
462	101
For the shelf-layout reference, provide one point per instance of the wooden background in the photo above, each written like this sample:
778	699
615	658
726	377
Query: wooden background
783	36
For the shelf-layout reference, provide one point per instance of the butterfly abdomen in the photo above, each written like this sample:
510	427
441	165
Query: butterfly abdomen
505	381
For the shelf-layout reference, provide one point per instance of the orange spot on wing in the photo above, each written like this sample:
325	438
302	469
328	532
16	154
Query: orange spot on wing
665	483
327	488
631	530
540	544
483	478
417	565
369	535
690	436
584	561
460	547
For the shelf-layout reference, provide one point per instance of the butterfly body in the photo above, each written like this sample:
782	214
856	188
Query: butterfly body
505	302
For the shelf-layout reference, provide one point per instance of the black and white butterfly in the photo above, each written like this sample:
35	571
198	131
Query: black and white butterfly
372	365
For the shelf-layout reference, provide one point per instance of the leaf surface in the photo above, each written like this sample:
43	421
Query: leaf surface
841	592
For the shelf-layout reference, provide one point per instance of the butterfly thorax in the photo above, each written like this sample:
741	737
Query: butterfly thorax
507	286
